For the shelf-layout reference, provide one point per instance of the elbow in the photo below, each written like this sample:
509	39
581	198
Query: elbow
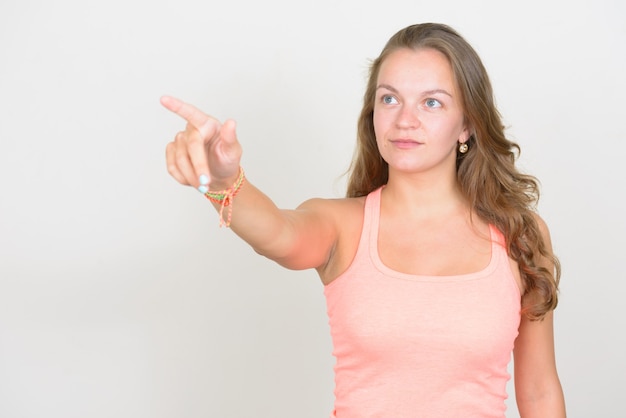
541	402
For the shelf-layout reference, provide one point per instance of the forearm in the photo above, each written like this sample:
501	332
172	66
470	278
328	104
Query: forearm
256	219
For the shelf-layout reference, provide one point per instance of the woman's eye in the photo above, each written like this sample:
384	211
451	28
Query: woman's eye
432	103
387	99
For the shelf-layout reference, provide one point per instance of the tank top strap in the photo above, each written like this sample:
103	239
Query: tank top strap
498	241
371	218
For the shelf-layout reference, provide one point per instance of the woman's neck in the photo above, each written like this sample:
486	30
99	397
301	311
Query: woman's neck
424	196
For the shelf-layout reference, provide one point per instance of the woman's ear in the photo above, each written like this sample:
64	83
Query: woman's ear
465	134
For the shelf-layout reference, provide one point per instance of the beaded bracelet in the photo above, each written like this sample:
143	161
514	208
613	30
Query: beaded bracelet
225	198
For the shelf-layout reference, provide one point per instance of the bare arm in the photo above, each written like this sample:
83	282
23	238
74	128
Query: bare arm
207	154
537	386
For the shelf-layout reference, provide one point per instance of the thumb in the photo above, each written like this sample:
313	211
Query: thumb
228	133
227	151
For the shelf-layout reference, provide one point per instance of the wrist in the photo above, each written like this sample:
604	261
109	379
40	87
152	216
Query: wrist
226	182
224	196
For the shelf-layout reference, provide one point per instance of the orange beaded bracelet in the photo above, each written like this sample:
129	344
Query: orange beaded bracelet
225	198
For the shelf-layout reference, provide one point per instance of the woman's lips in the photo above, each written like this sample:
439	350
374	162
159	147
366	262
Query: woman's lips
406	143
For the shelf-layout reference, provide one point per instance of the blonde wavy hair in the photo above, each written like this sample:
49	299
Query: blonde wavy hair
486	173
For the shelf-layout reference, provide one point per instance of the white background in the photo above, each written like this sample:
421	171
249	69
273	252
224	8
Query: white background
119	294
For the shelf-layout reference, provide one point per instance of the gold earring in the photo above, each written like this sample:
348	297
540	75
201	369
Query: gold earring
463	147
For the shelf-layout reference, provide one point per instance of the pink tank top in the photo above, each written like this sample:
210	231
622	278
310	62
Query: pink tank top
421	346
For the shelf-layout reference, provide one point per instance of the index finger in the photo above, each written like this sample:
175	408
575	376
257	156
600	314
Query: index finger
194	116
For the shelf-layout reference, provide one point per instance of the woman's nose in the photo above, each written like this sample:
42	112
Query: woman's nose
408	118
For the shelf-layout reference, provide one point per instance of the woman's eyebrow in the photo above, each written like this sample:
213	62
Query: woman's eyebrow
387	87
424	93
436	91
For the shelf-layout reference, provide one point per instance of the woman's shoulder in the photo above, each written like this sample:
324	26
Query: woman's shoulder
542	226
344	214
334	206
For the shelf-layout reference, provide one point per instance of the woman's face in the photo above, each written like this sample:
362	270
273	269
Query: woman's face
418	115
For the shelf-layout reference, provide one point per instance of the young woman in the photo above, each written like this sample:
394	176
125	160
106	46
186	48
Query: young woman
435	265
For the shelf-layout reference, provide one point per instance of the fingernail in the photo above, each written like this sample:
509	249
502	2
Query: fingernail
204	179
203	189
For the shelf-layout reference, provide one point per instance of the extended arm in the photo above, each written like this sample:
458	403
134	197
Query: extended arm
207	155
